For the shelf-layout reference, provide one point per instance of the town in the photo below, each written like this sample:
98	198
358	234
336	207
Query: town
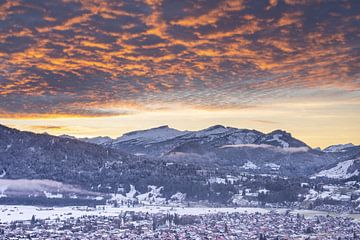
145	225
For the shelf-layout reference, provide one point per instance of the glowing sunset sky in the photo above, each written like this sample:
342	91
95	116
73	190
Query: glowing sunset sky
97	67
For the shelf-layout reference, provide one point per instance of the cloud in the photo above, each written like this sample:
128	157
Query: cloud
270	147
265	121
31	186
76	58
45	128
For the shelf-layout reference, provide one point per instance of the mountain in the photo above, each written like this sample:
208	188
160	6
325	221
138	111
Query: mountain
339	147
90	167
153	135
281	139
148	141
213	164
42	156
95	140
152	143
98	140
341	170
277	152
164	140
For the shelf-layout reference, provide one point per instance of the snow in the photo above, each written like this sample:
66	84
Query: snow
338	147
243	137
239	200
276	137
304	184
152	196
159	134
18	212
50	195
97	140
132	193
210	131
118	198
250	165
312	195
217	180
232	179
329	192
178	197
3	173
139	154
8	147
340	171
273	166
351	183
263	191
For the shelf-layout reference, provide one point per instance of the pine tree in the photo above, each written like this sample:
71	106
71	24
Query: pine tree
33	220
154	225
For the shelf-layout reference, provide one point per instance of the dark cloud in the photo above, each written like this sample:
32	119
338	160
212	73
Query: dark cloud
13	44
76	56
265	121
46	128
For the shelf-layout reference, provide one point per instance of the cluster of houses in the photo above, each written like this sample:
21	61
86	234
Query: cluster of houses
140	225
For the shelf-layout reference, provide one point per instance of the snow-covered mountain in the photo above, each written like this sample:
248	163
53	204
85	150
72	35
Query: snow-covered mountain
153	135
281	139
160	141
341	170
28	155
94	140
98	140
216	146
227	146
147	141
339	147
164	141
161	164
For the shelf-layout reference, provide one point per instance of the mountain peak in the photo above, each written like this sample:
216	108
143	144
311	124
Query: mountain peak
280	138
214	127
279	132
156	134
155	129
338	147
160	127
65	136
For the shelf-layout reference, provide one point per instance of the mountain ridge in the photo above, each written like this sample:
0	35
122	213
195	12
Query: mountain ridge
198	132
188	163
215	146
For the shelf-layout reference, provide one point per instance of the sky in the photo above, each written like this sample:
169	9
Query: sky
106	67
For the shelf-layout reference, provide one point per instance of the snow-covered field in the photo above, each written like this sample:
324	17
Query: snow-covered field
340	171
10	213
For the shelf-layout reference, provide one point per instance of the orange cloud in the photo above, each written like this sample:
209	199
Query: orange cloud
95	52
213	16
